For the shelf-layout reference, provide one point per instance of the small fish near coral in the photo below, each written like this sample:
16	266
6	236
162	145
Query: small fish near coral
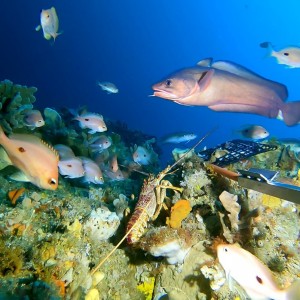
252	275
37	161
253	132
33	119
71	167
99	143
92	121
142	156
226	86
49	23
289	56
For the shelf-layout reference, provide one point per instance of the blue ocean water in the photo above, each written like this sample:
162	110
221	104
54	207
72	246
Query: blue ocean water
135	44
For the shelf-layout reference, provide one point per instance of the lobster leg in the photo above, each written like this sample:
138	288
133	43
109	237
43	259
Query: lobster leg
160	194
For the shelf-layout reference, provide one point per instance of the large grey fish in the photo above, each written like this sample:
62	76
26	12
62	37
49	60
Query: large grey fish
226	86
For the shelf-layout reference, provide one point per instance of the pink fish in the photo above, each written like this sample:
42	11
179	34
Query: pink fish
113	164
71	167
33	119
226	86
252	275
93	173
118	175
37	161
91	121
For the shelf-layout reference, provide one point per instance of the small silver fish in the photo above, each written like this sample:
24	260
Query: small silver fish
99	143
92	121
49	23
289	56
177	138
108	87
254	132
33	119
142	156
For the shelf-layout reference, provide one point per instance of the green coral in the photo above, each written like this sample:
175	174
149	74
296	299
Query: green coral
15	101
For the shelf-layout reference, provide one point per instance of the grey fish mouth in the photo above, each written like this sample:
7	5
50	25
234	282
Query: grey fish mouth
168	95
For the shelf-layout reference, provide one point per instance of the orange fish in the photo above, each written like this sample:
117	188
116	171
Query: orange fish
113	164
37	161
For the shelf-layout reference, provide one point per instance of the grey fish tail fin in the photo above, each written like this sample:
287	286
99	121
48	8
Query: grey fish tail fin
265	45
291	113
268	46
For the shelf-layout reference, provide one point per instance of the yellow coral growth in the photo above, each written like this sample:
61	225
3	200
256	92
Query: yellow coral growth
179	212
75	228
271	201
147	288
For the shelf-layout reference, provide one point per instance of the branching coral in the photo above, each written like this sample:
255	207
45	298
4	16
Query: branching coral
15	101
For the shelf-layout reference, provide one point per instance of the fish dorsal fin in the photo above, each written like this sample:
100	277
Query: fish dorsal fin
205	62
28	138
51	149
235	69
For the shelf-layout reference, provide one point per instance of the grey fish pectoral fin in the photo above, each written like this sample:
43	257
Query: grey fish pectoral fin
205	79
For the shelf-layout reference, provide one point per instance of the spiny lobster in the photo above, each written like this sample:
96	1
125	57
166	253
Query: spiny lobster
149	204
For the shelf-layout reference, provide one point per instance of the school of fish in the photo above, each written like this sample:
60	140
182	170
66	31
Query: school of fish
222	86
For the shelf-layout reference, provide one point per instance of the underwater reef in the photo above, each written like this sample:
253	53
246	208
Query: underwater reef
51	242
15	101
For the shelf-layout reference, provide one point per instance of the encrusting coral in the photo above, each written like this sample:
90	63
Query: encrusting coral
15	101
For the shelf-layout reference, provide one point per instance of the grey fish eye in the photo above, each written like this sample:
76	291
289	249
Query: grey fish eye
168	82
286	54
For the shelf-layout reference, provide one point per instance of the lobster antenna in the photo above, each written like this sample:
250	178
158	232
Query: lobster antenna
191	149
